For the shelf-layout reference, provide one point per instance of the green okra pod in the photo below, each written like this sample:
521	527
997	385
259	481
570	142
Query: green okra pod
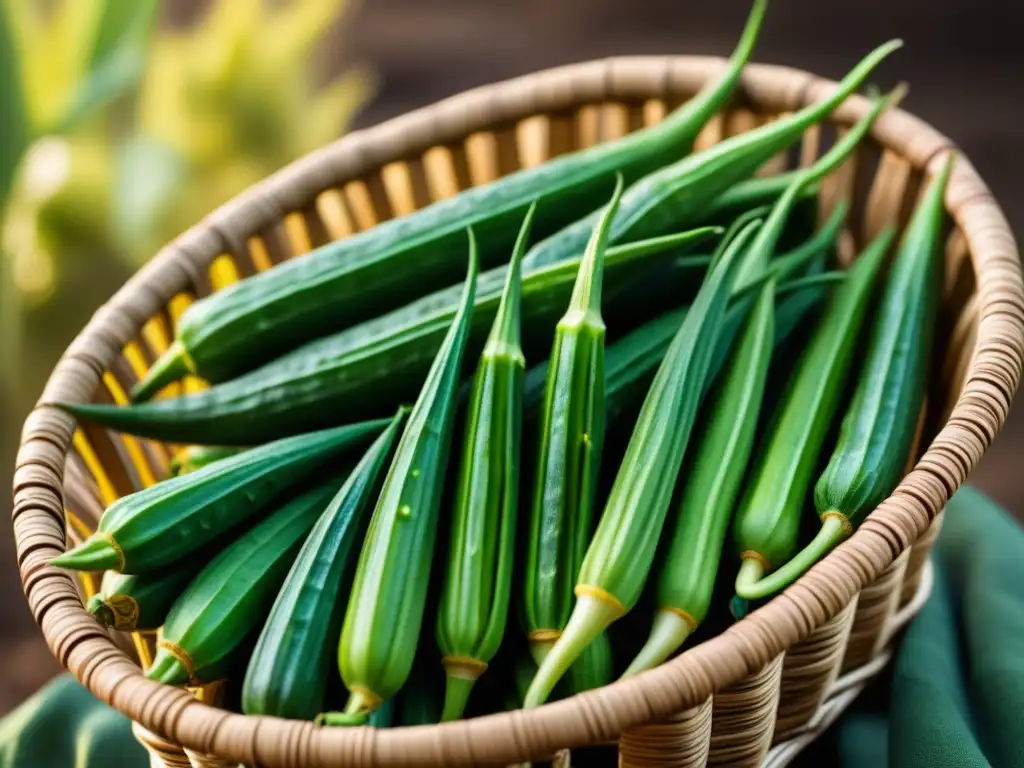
370	368
229	599
680	194
478	578
877	431
623	546
287	672
766	525
382	623
687	577
569	455
156	526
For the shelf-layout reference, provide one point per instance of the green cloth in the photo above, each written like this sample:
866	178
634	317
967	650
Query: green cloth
65	726
954	696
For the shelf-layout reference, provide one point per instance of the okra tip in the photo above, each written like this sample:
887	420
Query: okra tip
168	368
590	617
669	631
97	553
751	584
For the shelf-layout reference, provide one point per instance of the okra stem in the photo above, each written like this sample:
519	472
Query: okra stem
593	613
749	582
669	630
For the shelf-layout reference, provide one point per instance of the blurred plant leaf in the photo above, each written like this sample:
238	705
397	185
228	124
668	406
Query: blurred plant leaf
150	177
78	57
13	114
117	60
332	107
15	138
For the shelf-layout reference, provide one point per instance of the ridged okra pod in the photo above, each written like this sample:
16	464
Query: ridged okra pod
687	577
571	439
154	527
287	672
619	557
385	609
878	429
230	598
767	520
478	578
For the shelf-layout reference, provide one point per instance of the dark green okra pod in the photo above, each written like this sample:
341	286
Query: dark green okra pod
287	673
159	525
231	596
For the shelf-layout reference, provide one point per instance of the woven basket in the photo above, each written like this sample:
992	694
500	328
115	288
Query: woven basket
775	678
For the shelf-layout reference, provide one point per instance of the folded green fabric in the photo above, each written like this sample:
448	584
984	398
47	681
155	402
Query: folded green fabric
65	726
954	696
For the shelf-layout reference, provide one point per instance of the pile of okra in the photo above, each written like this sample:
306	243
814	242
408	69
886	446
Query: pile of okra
490	453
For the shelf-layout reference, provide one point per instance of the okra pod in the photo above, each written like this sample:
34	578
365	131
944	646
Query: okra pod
569	455
877	431
385	609
154	527
763	247
620	553
478	579
687	577
767	521
287	673
392	263
230	597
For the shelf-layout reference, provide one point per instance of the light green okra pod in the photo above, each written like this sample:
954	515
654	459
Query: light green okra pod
687	578
569	456
385	609
478	578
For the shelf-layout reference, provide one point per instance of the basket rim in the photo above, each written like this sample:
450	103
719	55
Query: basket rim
600	715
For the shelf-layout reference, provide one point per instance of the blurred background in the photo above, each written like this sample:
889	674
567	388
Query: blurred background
125	121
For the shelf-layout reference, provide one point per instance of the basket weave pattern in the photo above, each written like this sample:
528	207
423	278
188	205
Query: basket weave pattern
779	661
